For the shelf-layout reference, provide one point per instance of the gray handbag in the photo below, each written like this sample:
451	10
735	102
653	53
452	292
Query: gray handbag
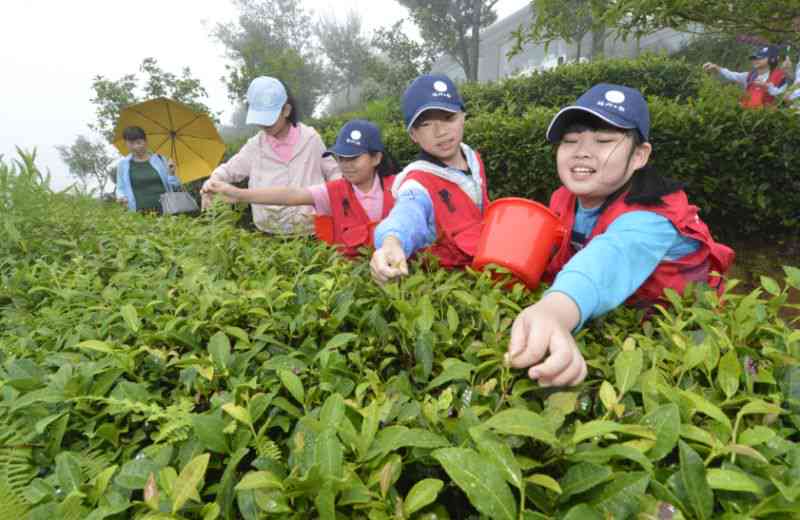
174	202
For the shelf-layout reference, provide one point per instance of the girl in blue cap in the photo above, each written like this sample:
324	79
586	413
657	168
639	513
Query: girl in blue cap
354	203
283	152
763	84
633	233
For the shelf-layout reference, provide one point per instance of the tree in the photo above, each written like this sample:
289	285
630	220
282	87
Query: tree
453	27
399	60
770	19
347	49
273	38
112	96
89	162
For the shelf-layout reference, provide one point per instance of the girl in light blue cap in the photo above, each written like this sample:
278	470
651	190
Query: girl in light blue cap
284	153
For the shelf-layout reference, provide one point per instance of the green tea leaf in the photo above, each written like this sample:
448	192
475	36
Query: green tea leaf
237	412
584	512
756	435
693	475
619	498
770	285
68	472
731	480
259	480
185	487
608	396
340	340
484	485
292	384
583	477
329	454
453	370
131	317
220	349
394	437
702	405
628	368
545	481
665	421
422	494
209	430
728	373
515	421
601	427
498	453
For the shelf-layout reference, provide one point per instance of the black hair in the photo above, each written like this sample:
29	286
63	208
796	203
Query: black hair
294	115
133	133
388	166
645	187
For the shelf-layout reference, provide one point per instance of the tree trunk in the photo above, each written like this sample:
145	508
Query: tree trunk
598	41
578	49
476	39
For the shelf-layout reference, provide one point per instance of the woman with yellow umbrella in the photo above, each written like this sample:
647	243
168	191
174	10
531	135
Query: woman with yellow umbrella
142	177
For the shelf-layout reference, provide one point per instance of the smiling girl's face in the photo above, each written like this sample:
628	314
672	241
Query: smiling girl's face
593	163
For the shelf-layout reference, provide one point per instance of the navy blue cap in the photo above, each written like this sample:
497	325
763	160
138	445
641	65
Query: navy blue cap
770	51
356	137
430	91
619	106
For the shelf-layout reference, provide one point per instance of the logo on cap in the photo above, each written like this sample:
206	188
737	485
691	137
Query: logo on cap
615	96
355	134
440	86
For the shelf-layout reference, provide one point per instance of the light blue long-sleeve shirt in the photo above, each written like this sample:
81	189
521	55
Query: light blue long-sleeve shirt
741	78
412	219
614	264
124	188
796	94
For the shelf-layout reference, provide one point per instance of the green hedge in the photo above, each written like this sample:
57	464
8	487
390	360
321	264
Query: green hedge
654	75
179	368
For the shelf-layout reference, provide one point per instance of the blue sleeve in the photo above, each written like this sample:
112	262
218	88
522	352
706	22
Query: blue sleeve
616	263
174	181
411	221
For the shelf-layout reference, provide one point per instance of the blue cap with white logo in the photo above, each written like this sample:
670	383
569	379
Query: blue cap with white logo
427	92
355	138
770	51
619	106
266	97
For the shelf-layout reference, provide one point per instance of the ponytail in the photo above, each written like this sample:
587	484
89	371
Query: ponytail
388	166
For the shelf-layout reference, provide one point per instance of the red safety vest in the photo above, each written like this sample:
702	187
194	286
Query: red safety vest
756	96
351	225
458	219
675	274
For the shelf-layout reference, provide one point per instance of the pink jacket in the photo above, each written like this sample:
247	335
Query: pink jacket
258	163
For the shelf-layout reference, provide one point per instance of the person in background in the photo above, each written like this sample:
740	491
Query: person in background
792	94
142	177
763	84
285	152
355	203
440	197
633	233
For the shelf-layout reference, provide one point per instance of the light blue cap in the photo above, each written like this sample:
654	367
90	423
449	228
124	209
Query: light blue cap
266	97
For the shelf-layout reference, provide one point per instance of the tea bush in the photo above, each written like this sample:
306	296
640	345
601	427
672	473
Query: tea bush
187	369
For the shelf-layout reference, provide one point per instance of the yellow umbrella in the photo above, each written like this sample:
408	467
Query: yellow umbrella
174	130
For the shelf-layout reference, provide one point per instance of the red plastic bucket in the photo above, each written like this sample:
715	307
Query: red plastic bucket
520	235
323	228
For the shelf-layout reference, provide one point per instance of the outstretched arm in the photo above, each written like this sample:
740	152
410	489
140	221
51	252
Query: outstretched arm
275	195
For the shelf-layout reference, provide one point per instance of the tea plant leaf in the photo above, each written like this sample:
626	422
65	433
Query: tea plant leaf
702	405
731	480
293	385
340	340
619	498
521	422
453	370
131	317
239	413
68	472
219	346
332	412
422	494
665	421
584	512
395	437
185	487
209	431
498	453
484	485
728	373
608	396
756	435
601	427
583	477
325	500
545	481
259	480
329	454
770	285
628	368
693	475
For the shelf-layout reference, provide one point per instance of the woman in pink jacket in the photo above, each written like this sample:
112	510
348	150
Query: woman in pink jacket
284	153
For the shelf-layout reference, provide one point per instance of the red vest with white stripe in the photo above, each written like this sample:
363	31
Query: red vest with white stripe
458	219
756	96
675	274
351	225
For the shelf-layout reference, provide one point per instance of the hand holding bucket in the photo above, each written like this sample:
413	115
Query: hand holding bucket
519	235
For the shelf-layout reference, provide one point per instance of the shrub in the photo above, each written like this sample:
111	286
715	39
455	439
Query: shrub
183	368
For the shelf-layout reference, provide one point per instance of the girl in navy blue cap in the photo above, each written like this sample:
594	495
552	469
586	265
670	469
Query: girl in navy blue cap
763	84
354	203
633	233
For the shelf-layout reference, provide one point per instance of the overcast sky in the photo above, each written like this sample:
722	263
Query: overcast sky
50	51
